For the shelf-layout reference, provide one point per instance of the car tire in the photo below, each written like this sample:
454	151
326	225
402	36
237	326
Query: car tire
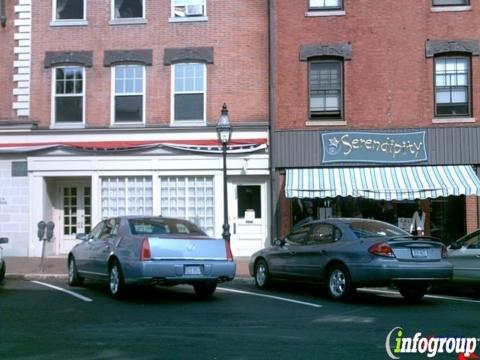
262	275
116	281
3	269
339	283
73	278
412	293
204	289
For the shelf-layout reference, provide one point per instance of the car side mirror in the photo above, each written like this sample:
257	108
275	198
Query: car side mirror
455	245
3	240
279	242
81	236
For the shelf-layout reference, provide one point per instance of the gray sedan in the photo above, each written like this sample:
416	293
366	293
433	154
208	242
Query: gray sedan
349	253
464	254
131	250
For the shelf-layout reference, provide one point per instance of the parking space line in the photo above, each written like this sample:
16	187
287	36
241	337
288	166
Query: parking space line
441	297
78	296
271	297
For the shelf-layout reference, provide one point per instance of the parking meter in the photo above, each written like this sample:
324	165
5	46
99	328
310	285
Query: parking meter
50	227
41	230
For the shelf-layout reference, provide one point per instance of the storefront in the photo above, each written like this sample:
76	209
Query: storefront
75	181
385	176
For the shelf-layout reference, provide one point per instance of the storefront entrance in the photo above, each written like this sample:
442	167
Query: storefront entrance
248	215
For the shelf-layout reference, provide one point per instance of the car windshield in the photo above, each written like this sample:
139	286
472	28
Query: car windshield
368	229
159	226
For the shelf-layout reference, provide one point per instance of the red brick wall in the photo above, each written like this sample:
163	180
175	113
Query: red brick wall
237	29
6	63
471	214
389	81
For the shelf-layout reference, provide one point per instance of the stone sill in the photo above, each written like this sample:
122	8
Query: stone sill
325	13
326	123
453	120
450	8
188	19
135	21
56	23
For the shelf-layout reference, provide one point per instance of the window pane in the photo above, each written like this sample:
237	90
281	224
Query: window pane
450	2
325	3
188	107
128	8
68	109
129	108
459	96
443	96
69	9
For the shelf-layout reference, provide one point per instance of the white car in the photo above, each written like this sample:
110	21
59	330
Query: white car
3	240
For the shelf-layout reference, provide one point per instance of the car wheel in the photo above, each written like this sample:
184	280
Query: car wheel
204	289
116	282
340	286
262	275
73	278
2	271
412	293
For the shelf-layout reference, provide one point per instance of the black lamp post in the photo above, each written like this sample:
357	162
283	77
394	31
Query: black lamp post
224	131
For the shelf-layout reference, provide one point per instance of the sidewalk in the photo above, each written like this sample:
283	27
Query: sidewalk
56	268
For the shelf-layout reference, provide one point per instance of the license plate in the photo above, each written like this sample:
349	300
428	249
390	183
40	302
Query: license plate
419	253
193	270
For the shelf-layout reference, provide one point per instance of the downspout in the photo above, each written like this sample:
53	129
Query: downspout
3	17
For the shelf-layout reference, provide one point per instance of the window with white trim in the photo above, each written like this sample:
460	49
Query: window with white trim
452	86
189	83
189	197
325	5
189	8
451	2
128	9
68	107
325	89
129	93
126	195
69	9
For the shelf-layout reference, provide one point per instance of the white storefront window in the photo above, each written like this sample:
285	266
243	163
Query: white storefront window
127	195
189	197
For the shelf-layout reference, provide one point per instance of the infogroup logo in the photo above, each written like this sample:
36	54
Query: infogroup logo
397	343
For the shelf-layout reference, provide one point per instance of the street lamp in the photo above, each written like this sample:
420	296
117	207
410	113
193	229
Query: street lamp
224	131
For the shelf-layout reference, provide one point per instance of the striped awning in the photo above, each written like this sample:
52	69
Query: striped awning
382	183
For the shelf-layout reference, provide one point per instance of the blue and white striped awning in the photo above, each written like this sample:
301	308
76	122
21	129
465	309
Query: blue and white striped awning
382	183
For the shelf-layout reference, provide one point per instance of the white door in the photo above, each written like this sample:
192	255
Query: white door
75	213
248	215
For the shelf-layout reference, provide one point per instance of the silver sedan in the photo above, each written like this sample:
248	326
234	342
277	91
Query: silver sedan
3	268
131	250
464	254
347	253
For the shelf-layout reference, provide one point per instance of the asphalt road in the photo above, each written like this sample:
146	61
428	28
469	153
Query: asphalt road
238	322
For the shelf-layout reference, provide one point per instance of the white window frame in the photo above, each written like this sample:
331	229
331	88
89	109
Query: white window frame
113	94
325	8
131	19
174	18
54	97
173	93
68	22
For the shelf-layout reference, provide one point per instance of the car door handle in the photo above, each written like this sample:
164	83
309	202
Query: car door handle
292	252
478	256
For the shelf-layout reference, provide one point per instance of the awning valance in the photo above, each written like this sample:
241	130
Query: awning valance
383	183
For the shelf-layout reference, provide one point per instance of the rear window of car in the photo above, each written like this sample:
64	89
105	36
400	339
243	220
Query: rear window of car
153	226
369	229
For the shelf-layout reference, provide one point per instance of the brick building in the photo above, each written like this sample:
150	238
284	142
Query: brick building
110	108
375	111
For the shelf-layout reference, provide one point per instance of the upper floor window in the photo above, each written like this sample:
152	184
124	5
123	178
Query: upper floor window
325	89
68	104
128	9
451	2
189	83
69	9
452	86
325	4
188	8
129	94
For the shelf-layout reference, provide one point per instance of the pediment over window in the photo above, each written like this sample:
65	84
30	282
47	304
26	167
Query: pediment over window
435	47
318	50
54	58
112	57
196	54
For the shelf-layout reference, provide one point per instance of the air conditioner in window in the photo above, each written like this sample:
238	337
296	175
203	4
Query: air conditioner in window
193	10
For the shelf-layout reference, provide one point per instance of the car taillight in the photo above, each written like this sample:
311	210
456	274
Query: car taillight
381	249
444	252
145	253
228	251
